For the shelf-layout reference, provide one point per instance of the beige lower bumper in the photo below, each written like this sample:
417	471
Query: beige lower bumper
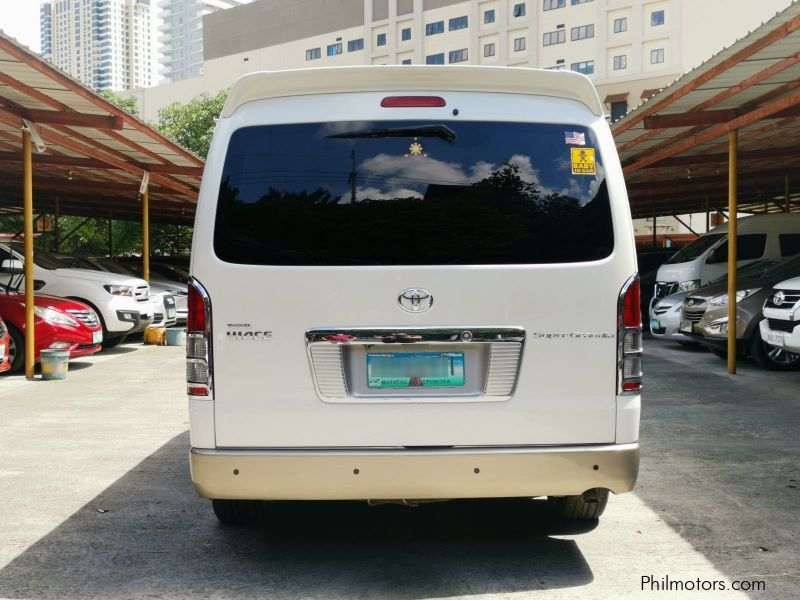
413	474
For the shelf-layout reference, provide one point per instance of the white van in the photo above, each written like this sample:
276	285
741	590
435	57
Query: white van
391	267
764	236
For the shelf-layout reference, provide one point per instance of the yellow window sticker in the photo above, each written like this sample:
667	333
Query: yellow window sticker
583	161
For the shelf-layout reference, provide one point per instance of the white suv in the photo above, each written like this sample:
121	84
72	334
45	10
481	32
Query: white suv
390	272
123	303
781	324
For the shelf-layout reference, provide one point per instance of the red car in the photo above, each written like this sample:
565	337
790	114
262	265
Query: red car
5	364
59	322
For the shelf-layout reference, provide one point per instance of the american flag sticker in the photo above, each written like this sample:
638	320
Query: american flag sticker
575	138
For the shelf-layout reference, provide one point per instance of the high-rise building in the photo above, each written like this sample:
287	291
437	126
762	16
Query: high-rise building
106	44
181	35
629	48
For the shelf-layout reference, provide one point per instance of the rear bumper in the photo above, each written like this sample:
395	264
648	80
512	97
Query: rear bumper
413	474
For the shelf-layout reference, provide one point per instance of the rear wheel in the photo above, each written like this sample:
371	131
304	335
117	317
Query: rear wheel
16	349
238	512
772	357
589	505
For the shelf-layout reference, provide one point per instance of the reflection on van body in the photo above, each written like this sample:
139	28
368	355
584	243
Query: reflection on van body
413	295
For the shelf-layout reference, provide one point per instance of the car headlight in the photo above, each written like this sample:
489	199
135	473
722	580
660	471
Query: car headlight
119	290
722	299
688	286
718	327
53	316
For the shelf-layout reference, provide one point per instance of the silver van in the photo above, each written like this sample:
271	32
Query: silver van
391	269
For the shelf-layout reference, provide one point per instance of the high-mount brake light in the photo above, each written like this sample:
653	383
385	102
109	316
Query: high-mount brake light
412	101
629	350
199	366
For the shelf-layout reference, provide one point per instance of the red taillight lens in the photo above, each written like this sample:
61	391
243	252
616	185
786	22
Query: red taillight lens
196	321
629	351
632	315
412	101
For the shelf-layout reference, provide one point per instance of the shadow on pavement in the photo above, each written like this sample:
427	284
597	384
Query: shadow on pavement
149	535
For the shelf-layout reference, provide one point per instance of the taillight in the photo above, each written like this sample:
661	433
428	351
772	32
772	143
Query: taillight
198	342
412	101
629	351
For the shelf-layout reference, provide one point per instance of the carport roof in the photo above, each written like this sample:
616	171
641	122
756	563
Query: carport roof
96	153
674	147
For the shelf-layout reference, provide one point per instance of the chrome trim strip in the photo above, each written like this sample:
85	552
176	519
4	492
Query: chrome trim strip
414	335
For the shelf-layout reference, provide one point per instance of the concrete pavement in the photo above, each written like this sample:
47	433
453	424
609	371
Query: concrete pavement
97	503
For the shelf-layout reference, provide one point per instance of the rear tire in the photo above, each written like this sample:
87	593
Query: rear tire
238	512
589	505
771	357
113	342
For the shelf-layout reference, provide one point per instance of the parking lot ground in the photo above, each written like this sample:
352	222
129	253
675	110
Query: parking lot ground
97	502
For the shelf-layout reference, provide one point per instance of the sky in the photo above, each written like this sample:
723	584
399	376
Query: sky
20	19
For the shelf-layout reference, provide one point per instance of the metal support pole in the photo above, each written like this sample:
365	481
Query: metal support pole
786	192
655	233
146	234
708	214
110	234
733	138
57	227
27	196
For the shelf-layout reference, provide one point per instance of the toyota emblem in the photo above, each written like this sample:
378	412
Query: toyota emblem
415	300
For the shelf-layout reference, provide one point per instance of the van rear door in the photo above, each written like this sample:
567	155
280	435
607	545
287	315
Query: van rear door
425	281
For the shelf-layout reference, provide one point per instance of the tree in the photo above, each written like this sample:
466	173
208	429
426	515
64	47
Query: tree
124	102
192	124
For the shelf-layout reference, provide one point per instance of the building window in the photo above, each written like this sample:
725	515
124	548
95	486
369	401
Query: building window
574	2
313	53
435	59
405	34
620	62
553	4
355	45
406	61
519	9
582	32
621	25
554	37
618	110
488	49
434	28
519	44
334	49
656	18
381	39
557	68
458	23
586	67
488	16
656	56
457	56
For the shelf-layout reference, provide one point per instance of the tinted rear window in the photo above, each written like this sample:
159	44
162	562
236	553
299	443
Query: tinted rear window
412	193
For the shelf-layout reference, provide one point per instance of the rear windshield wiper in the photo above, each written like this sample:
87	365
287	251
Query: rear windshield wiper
441	131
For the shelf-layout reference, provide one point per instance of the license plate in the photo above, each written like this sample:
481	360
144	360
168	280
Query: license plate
415	369
171	313
655	324
686	326
97	336
775	338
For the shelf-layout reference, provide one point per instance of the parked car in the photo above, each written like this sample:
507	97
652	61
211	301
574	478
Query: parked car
178	290
5	363
122	303
769	236
164	313
648	262
59	323
333	373
781	325
705	314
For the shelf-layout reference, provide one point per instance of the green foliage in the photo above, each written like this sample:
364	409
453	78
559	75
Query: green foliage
192	125
126	103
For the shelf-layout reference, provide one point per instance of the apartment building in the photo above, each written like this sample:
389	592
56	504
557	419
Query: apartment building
629	48
181	35
106	44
